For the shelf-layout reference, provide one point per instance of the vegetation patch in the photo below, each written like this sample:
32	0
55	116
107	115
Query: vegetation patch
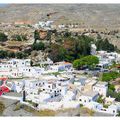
86	111
110	76
2	107
89	61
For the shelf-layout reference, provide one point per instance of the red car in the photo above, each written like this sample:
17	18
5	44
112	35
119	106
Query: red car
3	87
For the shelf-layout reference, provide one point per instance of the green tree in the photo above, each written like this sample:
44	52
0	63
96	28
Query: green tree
3	37
36	35
105	45
3	54
18	37
78	64
111	87
89	61
38	46
57	53
110	76
100	100
20	55
11	54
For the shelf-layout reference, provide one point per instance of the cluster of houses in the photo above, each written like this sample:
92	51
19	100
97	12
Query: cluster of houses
60	91
43	24
57	85
105	58
47	25
66	90
21	68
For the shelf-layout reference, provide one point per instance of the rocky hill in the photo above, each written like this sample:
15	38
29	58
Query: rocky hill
102	18
88	15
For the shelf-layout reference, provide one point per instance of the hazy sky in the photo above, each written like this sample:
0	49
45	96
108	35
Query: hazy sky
2	5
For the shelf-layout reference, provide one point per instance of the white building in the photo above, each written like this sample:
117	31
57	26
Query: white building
31	71
94	105
93	49
101	88
88	97
112	109
15	63
69	96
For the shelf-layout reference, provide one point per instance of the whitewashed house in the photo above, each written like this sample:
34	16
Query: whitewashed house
93	49
17	86
4	70
15	73
69	96
7	71
109	100
101	88
15	63
88	97
94	105
112	109
31	71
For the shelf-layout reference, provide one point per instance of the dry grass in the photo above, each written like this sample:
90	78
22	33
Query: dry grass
86	111
2	107
45	113
35	112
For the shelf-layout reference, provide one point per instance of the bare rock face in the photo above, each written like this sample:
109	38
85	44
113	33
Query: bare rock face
42	34
38	56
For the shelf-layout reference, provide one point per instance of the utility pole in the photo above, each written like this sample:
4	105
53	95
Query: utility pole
23	93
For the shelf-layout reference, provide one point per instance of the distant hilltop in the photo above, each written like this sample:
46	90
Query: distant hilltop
87	15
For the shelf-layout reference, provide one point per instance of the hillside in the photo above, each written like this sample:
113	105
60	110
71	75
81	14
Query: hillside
93	19
88	15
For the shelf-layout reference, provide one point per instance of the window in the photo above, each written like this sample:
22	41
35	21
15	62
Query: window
84	100
113	111
80	100
49	86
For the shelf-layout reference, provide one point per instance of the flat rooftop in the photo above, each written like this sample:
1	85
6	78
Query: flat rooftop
90	93
101	83
15	94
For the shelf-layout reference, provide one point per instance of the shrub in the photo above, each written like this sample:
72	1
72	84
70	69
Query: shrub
20	55
18	37
3	37
38	46
110	76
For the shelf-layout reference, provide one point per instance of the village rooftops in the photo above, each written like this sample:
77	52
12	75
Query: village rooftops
91	82
48	77
63	63
90	94
102	84
110	99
